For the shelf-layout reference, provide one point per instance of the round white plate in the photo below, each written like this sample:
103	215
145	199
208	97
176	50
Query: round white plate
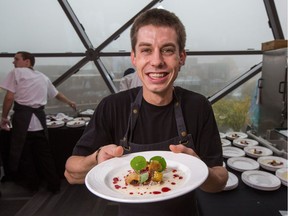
244	142
261	180
75	124
86	119
106	180
232	182
282	174
236	135
266	162
257	151
225	142
230	151
87	112
222	135
55	124
242	164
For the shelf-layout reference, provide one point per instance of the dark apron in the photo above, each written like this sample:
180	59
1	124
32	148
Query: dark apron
20	123
173	206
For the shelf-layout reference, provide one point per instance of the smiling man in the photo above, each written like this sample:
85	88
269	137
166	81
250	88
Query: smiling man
157	116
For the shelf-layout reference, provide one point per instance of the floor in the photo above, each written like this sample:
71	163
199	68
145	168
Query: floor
72	200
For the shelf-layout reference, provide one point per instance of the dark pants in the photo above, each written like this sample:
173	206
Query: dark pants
37	163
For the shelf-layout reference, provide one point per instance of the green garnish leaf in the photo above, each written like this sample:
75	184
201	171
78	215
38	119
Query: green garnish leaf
161	160
144	177
138	163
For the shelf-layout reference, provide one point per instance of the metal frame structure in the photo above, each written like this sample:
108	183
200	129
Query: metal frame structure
94	54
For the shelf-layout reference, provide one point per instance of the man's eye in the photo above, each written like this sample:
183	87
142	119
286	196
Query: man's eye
168	51
146	50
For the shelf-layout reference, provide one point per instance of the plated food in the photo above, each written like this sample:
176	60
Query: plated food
272	163
146	172
257	151
183	173
75	124
86	119
244	142
236	135
55	124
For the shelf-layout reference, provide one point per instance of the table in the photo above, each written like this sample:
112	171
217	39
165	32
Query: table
243	200
62	141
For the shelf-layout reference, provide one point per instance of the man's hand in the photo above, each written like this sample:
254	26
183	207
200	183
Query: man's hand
109	151
5	124
183	149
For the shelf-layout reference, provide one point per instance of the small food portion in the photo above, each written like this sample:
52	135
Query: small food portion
275	163
255	151
146	172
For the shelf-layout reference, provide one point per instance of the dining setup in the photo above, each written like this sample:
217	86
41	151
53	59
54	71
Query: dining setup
257	183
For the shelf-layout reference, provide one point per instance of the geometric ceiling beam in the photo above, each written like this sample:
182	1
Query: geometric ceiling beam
274	22
236	83
117	33
73	70
78	27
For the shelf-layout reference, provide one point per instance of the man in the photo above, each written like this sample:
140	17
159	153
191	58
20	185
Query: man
129	80
159	113
30	154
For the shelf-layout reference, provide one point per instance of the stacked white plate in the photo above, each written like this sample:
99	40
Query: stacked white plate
244	142
75	124
86	119
230	151
257	151
236	135
232	182
222	135
282	174
225	142
272	163
55	124
261	180
242	164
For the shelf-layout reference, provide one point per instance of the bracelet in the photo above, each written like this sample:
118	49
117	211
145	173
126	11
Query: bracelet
97	153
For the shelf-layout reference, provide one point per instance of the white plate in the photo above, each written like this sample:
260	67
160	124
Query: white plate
75	124
242	164
104	179
225	142
222	135
257	151
232	152
86	119
265	162
55	124
244	142
261	180
232	182
282	174
87	112
236	135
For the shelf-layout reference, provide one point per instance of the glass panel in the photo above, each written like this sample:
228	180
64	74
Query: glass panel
36	26
102	18
237	110
86	88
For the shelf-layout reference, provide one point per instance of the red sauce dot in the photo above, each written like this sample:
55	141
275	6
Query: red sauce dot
156	192
117	186
165	189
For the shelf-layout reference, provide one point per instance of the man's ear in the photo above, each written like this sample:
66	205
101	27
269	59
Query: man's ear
183	56
133	57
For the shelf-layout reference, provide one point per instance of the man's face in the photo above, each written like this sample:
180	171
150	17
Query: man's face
157	58
19	62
